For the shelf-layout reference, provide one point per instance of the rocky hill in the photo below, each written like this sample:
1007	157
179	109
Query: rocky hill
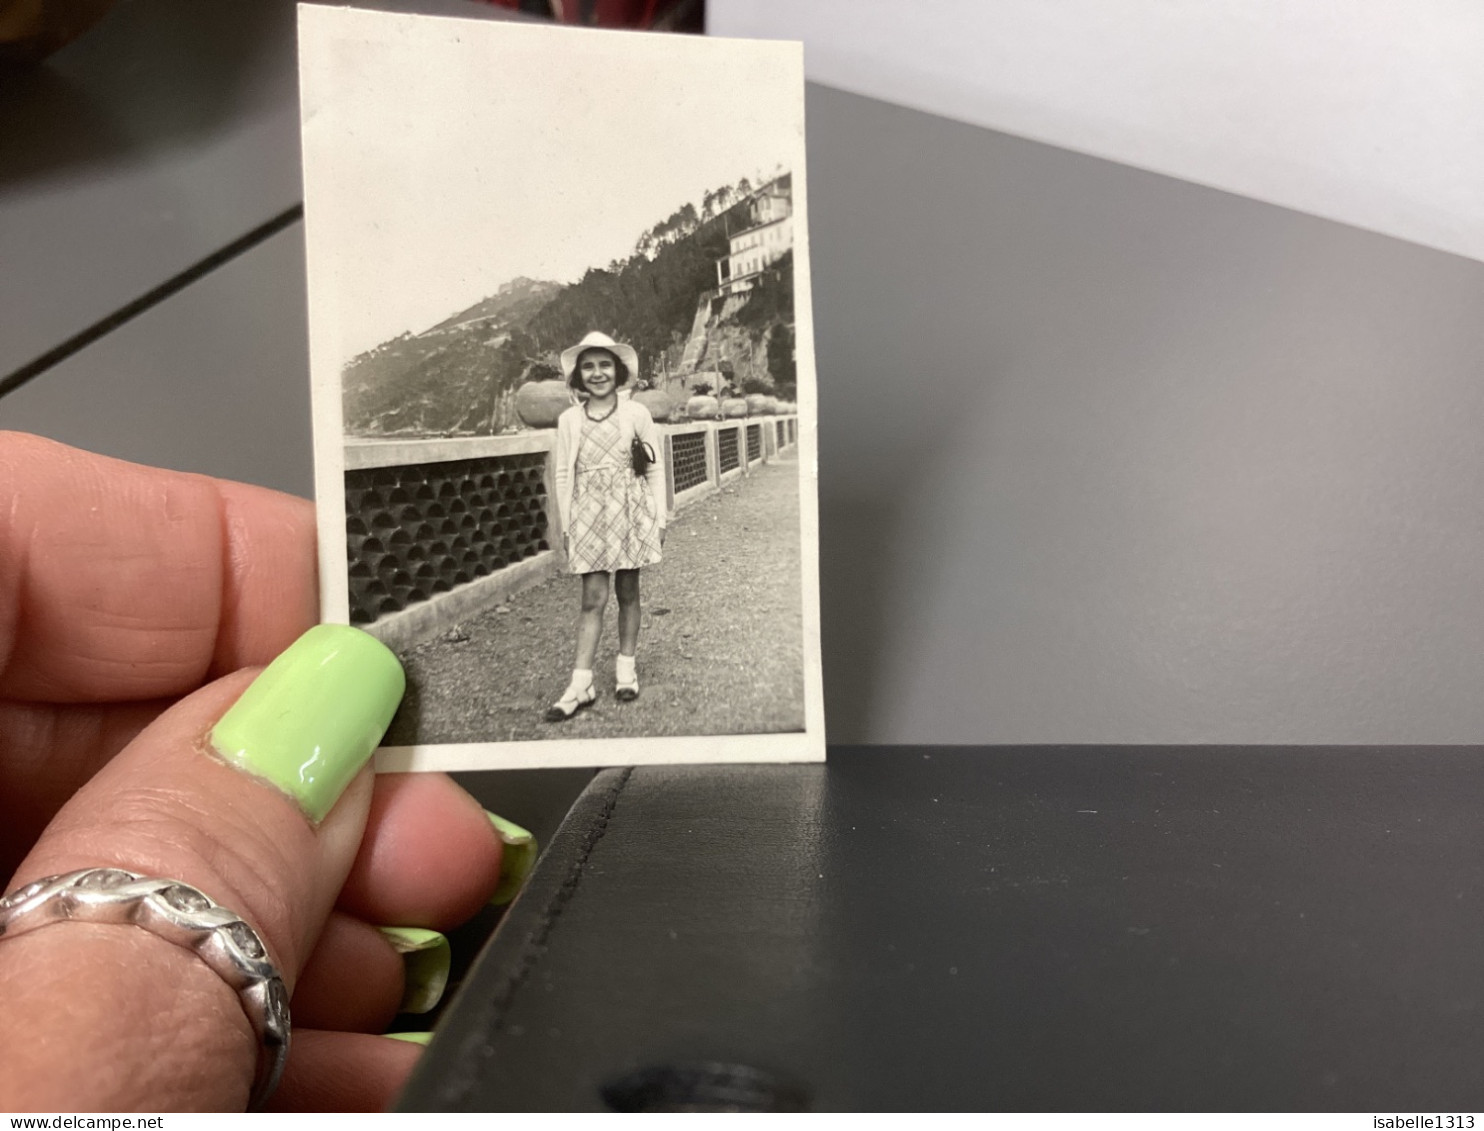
448	380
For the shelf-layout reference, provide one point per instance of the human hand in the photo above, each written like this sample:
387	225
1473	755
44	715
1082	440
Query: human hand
130	599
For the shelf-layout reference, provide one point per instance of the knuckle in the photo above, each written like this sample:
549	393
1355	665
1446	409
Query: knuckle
224	850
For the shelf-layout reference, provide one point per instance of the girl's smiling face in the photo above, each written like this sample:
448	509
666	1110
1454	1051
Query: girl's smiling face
598	372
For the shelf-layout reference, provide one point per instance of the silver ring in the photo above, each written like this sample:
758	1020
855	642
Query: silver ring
184	916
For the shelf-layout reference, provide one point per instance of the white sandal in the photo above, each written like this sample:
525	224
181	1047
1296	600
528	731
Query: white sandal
570	703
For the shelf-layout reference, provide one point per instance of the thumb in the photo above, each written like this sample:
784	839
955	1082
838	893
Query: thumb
250	790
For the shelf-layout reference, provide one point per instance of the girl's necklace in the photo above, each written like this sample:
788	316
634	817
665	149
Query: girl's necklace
605	416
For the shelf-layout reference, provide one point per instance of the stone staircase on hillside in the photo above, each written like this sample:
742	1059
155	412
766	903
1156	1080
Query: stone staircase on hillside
695	345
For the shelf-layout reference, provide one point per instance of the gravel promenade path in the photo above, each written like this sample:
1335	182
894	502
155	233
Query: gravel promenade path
720	650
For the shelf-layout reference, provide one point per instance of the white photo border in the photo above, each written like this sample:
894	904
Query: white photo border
324	30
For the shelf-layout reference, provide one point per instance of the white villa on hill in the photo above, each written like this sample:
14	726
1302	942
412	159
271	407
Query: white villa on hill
767	233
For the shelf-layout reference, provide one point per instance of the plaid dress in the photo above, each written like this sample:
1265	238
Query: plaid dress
614	523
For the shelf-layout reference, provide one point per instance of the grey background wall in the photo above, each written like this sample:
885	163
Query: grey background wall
1105	456
1110	457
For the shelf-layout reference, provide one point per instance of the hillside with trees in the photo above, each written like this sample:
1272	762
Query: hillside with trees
452	379
459	377
647	302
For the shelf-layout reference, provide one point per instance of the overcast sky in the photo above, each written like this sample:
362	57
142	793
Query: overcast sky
446	157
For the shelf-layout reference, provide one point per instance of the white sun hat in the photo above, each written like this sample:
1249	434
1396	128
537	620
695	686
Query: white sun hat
599	340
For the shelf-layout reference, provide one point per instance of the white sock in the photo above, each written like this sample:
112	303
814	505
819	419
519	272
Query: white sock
624	669
582	679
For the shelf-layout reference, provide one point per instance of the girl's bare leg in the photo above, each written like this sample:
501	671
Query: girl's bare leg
590	619
580	691
626	585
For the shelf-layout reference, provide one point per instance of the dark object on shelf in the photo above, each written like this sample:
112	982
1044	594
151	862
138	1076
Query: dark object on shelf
654	15
1005	928
29	32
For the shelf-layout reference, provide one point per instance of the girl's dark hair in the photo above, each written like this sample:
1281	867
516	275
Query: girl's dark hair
620	370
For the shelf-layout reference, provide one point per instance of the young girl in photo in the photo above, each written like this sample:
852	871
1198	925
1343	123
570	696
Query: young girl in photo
613	518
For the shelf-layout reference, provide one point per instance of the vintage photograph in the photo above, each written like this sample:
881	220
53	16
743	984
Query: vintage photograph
563	385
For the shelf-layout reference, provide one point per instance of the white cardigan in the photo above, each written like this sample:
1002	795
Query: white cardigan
633	420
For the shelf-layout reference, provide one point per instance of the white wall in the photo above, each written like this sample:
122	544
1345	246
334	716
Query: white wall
1366	111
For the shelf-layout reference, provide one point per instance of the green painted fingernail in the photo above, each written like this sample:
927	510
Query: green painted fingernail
516	860
410	1038
427	957
313	717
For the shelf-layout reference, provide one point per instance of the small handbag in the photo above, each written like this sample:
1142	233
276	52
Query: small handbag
641	455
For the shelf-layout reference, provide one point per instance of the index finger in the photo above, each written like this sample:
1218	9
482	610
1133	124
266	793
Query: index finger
121	582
